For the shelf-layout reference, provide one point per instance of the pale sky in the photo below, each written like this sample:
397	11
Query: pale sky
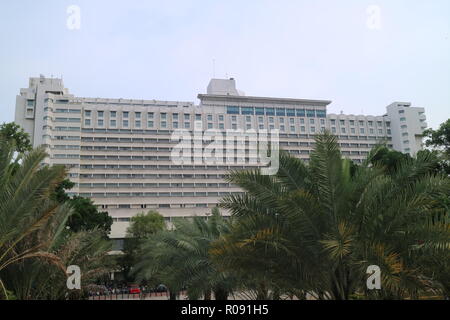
312	49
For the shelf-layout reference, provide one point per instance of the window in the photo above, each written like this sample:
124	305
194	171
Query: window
234	126
402	119
281	120
232	110
87	122
401	111
163	116
313	129
311	121
221	126
291	120
281	111
271	120
210	117
87	113
370	123
333	129
150	115
210	125
233	118
112	123
150	124
163	124
342	122
300	112
380	131
352	130
302	129
175	116
125	114
322	121
282	127
100	114
247	110
259	111
310	113
260	119
187	116
302	121
248	118
352	122
100	122
221	117
342	130
198	117
270	111
175	125
361	123
292	128
125	123
187	125
112	114
248	126
361	130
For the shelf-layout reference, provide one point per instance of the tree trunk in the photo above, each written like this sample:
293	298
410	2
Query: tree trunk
220	294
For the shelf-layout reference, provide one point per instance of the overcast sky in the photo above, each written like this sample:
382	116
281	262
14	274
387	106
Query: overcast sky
342	51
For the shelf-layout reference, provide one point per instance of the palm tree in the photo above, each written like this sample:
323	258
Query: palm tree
316	228
180	258
35	246
25	206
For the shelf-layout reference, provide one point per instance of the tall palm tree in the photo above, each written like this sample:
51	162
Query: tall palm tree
181	258
35	246
25	205
316	228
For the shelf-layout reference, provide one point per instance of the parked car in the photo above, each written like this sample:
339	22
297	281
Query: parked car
133	289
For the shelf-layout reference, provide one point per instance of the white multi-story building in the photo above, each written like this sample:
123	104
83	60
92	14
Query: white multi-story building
118	151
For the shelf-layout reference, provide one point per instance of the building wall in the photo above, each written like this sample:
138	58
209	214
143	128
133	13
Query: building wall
118	151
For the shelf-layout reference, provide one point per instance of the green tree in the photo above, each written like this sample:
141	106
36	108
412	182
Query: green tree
86	215
439	138
24	204
35	246
315	228
180	258
439	141
142	226
17	136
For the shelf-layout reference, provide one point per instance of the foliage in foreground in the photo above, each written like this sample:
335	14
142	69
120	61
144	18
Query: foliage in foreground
316	228
35	246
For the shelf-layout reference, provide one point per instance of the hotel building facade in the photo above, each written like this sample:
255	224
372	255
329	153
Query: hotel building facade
118	151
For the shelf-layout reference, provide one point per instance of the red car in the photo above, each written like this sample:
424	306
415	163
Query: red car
134	289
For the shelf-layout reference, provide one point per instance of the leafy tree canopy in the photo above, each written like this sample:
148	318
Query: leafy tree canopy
144	225
439	138
14	133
